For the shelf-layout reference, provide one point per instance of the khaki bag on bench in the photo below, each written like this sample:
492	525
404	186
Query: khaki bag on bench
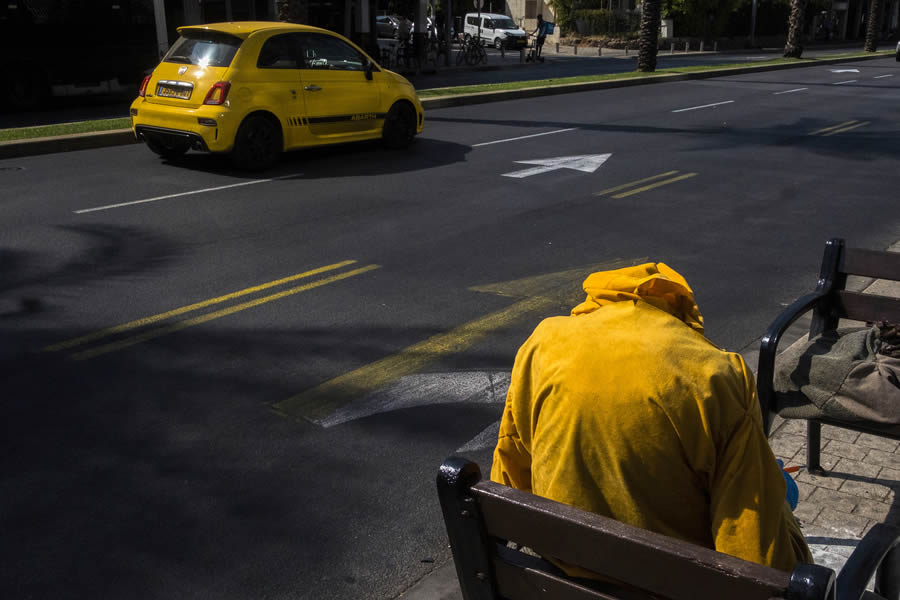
851	374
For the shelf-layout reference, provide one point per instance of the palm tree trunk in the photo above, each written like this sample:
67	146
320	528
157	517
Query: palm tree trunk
872	27
649	40
794	46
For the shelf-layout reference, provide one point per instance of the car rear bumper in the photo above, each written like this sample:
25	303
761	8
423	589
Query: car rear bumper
208	128
171	137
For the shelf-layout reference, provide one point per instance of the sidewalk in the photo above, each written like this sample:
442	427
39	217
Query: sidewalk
834	512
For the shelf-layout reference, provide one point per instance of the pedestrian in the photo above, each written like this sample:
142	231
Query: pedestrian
541	33
625	409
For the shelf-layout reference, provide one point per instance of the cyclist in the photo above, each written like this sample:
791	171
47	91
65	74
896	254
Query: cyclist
541	32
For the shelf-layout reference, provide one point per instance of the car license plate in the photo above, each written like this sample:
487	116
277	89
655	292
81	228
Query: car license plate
174	89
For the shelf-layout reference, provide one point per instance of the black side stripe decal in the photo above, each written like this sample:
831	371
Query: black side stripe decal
339	118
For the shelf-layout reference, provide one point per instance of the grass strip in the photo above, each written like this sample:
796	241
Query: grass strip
41	131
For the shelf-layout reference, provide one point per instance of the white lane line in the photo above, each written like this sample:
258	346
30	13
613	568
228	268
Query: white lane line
178	195
843	82
790	91
883	76
704	106
524	137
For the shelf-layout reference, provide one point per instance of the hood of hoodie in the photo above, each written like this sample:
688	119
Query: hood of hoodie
653	283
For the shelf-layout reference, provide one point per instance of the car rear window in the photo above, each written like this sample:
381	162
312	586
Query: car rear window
204	49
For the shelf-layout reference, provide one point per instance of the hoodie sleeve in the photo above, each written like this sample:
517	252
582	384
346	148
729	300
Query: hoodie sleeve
750	516
512	458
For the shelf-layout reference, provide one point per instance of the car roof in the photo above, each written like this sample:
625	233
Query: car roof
243	29
490	15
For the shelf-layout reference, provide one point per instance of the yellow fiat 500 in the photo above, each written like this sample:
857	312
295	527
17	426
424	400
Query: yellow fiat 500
254	89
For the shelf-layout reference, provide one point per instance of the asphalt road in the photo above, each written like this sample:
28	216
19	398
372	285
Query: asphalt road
180	339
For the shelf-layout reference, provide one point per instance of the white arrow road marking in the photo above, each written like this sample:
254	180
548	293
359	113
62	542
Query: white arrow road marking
427	389
845	70
586	164
486	439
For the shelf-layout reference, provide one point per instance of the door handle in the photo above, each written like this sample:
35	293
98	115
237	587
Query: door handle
313	88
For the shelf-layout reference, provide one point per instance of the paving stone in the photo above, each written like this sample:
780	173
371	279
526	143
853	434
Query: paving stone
845	450
841	523
841	549
861	479
787	445
885	459
872	509
828	536
828	463
805	489
793	427
865	489
823	557
806	512
833	499
879	443
830	432
890	477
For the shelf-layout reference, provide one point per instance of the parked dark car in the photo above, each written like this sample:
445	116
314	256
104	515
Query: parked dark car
387	26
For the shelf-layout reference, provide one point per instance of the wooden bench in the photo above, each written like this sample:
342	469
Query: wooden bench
481	516
829	303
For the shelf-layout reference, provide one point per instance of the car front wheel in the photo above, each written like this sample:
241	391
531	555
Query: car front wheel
498	43
399	126
257	144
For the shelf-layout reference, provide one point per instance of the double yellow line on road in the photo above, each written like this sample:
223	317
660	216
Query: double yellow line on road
840	128
179	325
644	188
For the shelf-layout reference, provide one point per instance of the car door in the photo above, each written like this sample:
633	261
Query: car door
340	101
278	87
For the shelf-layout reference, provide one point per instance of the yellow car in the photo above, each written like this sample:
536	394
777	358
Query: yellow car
254	89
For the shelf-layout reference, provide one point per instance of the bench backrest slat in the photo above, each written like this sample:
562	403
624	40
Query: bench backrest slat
866	307
622	552
870	263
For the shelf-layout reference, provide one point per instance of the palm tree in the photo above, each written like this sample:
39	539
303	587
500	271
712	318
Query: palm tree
794	46
649	40
872	26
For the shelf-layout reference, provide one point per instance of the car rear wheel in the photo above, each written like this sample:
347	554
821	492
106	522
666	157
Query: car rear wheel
399	126
167	150
257	144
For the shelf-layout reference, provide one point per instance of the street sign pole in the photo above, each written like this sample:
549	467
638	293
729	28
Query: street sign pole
478	4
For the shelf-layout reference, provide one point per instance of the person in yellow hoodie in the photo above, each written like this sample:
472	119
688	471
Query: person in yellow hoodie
625	409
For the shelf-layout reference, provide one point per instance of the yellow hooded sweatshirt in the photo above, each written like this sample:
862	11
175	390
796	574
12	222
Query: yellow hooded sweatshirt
625	409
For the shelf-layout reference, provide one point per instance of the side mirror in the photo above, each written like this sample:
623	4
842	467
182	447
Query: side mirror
370	66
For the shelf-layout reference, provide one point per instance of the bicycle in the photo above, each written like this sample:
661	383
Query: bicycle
532	52
472	52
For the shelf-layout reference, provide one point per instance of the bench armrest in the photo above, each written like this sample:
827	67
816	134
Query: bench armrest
878	554
765	372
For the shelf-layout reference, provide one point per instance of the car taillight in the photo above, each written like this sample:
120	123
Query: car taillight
143	89
217	93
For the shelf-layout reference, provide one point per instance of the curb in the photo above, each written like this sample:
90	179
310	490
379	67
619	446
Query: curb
118	137
67	143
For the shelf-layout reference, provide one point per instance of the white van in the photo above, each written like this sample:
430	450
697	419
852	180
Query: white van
497	30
